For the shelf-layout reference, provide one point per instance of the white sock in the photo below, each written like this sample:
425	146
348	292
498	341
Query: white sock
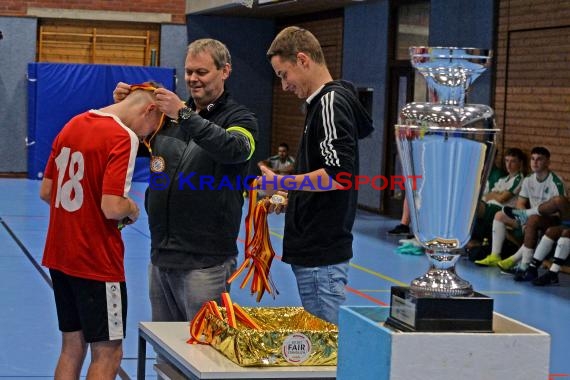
543	248
526	255
498	237
561	252
518	254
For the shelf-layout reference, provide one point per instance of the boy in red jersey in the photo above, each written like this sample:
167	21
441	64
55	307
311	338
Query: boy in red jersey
86	183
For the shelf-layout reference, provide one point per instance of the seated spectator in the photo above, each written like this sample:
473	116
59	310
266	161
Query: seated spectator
560	206
552	234
498	193
537	188
282	162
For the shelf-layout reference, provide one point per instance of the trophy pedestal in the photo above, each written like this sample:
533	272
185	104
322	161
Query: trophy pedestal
431	314
369	350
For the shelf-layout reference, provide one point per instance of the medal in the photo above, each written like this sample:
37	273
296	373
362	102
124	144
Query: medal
157	164
277	199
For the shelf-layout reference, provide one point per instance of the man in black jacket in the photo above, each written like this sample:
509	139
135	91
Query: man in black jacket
318	223
195	197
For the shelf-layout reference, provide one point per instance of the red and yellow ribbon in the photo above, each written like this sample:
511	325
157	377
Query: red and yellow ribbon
234	314
198	324
148	87
259	253
229	306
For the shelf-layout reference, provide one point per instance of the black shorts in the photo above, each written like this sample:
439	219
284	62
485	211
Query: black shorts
97	308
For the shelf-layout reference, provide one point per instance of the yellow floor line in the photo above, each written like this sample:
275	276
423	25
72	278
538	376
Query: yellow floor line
387	278
276	234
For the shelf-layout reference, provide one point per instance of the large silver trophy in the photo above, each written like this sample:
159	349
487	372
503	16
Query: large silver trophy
448	147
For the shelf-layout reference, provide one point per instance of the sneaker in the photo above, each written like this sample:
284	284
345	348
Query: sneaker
530	274
549	278
513	271
489	261
517	214
400	229
506	264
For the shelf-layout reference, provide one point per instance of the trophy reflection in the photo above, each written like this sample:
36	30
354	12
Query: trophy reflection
449	147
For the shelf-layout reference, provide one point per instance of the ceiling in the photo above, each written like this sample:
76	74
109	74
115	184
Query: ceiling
277	9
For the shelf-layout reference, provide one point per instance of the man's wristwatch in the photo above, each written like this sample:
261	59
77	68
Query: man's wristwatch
184	113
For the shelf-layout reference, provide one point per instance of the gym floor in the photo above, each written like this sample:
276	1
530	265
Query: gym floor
30	340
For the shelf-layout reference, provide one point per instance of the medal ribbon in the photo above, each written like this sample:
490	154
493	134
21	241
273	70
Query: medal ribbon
234	314
147	87
147	142
259	253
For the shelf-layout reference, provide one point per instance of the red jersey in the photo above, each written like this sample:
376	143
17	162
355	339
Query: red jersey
94	154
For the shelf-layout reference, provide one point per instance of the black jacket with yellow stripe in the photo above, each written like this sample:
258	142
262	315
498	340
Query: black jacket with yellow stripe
194	204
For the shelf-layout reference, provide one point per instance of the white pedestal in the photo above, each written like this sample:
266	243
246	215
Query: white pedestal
368	350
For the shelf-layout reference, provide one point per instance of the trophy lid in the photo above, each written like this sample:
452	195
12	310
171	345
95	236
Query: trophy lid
449	71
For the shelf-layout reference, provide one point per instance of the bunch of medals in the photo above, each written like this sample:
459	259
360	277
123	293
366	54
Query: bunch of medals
259	253
234	315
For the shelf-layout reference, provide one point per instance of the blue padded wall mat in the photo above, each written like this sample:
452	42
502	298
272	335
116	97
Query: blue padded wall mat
59	91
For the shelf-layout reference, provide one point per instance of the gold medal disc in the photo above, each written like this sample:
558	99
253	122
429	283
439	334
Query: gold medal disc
277	199
157	164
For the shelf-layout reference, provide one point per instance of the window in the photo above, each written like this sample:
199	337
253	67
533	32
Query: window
413	27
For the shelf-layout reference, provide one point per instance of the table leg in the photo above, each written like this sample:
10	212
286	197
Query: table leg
141	360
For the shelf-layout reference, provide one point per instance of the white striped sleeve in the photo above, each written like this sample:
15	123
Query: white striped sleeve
328	152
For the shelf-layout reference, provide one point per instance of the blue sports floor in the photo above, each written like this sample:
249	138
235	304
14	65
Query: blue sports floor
30	340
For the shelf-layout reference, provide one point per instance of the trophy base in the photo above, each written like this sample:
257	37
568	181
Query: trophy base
429	314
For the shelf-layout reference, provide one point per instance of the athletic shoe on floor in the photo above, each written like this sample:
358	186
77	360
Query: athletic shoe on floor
512	271
517	214
506	264
489	261
549	278
400	229
530	274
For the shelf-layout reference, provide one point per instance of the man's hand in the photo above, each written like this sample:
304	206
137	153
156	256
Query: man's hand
121	91
135	212
269	180
168	102
132	217
278	202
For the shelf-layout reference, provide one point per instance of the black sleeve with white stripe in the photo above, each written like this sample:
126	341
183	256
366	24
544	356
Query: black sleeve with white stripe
337	134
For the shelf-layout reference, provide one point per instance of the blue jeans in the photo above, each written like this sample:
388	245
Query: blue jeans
322	289
178	294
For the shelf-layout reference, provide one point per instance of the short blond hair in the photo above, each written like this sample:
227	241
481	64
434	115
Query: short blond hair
293	40
219	52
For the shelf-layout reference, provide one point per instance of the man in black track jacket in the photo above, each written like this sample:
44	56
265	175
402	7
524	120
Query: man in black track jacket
320	215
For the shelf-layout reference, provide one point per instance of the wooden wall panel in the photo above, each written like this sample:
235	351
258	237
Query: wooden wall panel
176	8
116	43
288	116
532	94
